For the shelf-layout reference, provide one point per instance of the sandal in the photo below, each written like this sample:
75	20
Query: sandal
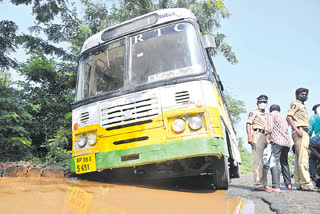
275	190
308	188
288	186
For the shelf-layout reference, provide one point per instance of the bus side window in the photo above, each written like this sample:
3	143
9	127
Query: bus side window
86	80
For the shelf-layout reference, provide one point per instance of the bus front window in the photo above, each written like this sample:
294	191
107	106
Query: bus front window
165	53
101	70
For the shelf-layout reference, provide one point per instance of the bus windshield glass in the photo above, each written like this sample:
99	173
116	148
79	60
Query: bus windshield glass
165	53
101	70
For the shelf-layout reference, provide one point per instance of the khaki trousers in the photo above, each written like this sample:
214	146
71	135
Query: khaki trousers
301	172
260	177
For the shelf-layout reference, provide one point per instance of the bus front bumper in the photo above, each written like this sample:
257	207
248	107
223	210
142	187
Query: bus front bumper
159	153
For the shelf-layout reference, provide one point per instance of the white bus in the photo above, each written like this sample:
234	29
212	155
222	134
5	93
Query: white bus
148	98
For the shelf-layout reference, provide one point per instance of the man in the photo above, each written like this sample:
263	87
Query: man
314	144
298	119
256	121
277	134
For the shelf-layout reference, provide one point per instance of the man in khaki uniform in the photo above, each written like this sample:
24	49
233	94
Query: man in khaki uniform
256	121
298	119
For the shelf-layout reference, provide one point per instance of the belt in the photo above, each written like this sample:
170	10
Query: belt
259	130
304	128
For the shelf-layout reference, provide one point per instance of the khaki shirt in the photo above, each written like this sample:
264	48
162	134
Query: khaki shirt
257	119
298	112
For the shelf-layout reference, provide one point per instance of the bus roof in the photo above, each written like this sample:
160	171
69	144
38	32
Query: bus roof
138	23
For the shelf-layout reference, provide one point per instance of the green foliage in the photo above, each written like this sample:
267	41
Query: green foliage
236	107
7	44
44	11
58	154
246	158
14	137
95	16
50	86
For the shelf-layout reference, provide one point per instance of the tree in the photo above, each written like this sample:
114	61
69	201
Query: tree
49	85
236	107
209	13
15	139
8	45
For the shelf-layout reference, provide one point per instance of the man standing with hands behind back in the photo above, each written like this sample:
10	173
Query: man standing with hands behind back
256	121
298	119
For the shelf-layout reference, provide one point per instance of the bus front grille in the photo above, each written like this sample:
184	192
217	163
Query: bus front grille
84	117
129	112
182	97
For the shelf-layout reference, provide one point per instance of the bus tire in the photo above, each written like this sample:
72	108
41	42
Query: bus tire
235	171
220	175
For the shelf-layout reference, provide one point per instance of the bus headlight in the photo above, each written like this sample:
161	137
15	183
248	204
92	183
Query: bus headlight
195	123
178	125
92	140
82	140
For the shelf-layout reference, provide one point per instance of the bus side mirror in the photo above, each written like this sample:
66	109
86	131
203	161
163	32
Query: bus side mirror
208	41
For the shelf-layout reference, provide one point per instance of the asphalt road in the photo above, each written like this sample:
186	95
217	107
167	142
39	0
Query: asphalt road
285	202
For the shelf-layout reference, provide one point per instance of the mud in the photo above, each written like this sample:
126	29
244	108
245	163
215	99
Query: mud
60	195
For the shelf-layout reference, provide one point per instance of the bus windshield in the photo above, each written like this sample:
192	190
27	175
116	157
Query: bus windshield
165	53
101	70
157	55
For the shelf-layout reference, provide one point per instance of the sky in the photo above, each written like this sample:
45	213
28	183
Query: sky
276	42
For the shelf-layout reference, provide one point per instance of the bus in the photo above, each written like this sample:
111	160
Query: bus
149	99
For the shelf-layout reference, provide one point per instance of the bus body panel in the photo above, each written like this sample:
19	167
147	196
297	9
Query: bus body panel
157	137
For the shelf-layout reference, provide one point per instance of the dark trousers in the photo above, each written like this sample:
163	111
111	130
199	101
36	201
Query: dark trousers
313	164
280	154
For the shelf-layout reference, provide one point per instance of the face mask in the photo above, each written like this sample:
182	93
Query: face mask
303	98
262	106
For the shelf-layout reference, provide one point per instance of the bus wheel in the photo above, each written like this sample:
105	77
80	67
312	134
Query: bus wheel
220	174
235	171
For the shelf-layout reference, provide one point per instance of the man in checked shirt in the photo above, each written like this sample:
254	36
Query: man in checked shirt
276	128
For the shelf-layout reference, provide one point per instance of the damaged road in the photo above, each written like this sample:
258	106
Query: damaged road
285	202
18	179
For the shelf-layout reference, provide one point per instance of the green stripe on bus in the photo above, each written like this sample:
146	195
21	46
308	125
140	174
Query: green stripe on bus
159	153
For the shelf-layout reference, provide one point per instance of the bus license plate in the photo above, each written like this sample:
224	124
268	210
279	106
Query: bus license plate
85	163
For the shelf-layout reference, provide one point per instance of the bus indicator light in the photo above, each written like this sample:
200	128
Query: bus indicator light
75	127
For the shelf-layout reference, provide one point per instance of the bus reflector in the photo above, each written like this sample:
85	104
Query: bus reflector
75	127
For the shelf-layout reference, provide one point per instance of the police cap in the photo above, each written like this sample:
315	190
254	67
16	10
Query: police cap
262	98
300	90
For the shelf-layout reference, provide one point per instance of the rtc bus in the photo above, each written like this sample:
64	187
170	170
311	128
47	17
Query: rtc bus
148	98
